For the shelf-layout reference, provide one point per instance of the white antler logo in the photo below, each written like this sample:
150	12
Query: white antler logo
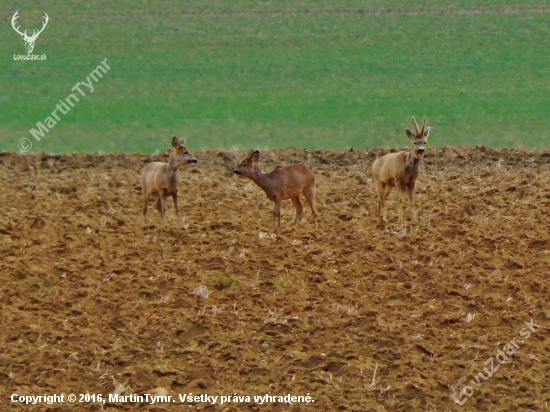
29	40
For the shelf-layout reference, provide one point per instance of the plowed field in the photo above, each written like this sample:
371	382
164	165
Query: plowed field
361	319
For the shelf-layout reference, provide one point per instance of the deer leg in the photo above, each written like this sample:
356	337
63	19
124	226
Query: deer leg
277	211
175	198
379	199
145	205
309	193
400	192
299	210
386	190
162	205
410	190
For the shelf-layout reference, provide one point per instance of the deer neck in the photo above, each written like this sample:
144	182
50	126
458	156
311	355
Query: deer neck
172	164
262	180
413	161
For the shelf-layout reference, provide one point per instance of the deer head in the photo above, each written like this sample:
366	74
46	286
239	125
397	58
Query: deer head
248	165
419	138
29	40
181	155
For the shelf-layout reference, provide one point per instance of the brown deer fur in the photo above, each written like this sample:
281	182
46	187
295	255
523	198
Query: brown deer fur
162	179
287	182
400	170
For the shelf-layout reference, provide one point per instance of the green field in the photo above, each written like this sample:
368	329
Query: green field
272	74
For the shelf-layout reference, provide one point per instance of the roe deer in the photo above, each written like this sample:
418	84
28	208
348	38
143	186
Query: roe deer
287	182
400	170
162	179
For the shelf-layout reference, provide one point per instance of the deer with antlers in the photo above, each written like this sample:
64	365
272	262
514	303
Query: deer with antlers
287	182
162	179
400	170
29	40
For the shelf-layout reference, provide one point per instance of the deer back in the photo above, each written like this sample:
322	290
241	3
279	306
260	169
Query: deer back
289	181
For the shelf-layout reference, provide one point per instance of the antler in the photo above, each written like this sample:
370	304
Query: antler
35	33
13	21
415	126
423	127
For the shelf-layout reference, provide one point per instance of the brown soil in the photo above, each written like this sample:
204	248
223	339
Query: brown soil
91	298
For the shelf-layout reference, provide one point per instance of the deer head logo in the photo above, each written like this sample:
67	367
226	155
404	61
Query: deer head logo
29	40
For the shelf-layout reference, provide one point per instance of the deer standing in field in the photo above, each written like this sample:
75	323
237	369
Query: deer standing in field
400	170
162	179
287	182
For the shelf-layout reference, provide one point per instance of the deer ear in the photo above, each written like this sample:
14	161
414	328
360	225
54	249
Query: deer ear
255	156
427	132
410	134
175	142
182	140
